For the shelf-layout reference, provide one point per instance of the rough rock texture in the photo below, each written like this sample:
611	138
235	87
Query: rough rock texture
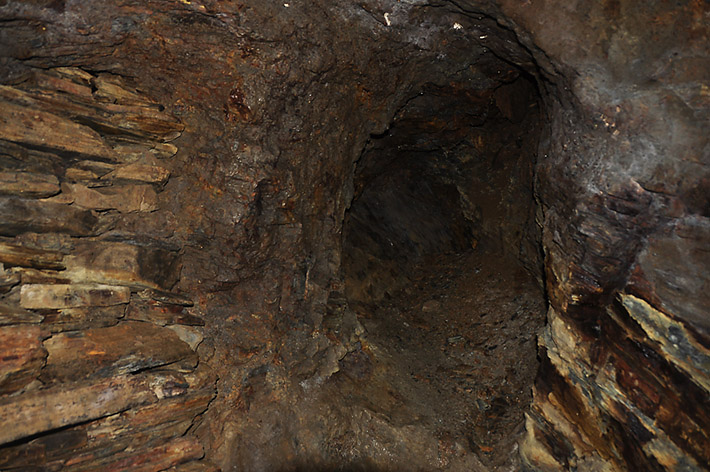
84	387
214	145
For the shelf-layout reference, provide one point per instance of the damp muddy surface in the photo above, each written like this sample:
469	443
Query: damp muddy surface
454	352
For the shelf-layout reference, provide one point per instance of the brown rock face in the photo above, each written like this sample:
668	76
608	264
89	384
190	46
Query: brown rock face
220	223
89	389
126	347
23	357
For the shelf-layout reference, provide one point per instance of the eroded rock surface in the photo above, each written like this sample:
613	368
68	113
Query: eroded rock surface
84	387
216	144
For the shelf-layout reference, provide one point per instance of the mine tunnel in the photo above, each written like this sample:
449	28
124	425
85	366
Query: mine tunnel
372	235
454	169
442	258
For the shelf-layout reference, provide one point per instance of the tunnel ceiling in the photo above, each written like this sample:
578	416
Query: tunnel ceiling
181	173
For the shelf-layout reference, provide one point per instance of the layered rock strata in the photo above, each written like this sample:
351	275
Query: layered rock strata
98	368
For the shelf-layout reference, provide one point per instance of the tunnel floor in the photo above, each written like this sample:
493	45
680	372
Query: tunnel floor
455	353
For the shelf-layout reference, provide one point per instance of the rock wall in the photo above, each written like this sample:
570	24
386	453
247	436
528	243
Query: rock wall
623	381
98	365
168	164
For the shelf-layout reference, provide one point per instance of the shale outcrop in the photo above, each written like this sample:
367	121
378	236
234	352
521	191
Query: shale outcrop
98	367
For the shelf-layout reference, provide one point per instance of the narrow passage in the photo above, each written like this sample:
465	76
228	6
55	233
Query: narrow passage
457	351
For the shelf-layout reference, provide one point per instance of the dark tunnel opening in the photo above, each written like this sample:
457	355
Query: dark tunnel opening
442	258
454	170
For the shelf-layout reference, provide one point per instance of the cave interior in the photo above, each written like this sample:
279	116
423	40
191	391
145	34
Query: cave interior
372	235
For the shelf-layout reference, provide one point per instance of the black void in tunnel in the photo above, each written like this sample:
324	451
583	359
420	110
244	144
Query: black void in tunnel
453	173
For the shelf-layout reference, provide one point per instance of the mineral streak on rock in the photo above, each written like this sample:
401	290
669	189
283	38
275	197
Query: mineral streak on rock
677	344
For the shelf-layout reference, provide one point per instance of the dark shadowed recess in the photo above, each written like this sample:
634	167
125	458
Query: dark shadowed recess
442	258
453	173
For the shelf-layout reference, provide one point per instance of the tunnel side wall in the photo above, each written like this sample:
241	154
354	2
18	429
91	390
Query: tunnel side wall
624	378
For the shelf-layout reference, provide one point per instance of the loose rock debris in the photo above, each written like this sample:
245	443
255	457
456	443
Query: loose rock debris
458	346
